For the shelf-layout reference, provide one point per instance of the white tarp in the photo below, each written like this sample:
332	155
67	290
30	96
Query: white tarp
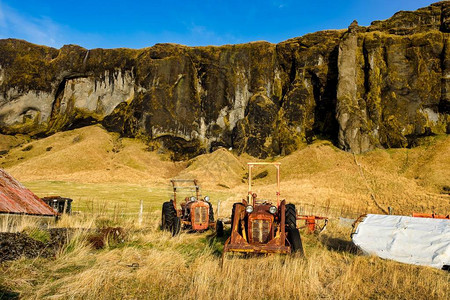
418	241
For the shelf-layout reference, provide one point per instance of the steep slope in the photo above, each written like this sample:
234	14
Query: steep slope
385	85
318	177
89	154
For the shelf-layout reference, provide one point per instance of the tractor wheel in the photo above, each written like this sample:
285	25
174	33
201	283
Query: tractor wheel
176	226
293	236
219	229
211	213
290	216
168	217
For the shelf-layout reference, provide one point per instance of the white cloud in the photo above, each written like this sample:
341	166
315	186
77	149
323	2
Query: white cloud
279	4
36	30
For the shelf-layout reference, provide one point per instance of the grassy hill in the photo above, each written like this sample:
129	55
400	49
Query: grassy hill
108	176
319	177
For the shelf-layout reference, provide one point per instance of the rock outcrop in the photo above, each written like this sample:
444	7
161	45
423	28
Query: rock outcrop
384	85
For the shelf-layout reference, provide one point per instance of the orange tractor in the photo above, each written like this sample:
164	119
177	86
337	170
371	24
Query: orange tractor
258	226
196	212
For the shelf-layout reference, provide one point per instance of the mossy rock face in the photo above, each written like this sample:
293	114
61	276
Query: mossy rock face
392	86
385	85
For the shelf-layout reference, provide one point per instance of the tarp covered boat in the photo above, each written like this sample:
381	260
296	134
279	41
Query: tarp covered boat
418	241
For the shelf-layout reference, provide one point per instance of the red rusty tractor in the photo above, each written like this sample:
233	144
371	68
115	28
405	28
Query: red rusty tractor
196	212
258	226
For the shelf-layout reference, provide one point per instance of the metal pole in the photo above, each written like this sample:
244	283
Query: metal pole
196	189
174	194
278	184
250	197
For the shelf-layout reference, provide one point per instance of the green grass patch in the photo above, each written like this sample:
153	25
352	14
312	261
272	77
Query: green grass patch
37	234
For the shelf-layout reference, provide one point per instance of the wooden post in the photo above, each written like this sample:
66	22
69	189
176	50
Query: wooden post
141	209
218	209
65	207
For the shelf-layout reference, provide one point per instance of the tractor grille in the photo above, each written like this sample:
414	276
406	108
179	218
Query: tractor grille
201	215
260	231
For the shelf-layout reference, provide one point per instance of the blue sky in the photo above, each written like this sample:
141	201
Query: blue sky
138	24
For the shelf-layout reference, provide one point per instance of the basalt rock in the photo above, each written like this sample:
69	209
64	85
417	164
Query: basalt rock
385	85
393	84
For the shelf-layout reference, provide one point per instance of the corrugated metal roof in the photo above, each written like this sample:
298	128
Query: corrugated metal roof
17	199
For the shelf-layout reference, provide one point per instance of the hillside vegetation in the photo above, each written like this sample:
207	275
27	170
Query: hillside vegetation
108	176
317	177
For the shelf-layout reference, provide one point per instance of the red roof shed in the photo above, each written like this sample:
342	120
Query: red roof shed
17	199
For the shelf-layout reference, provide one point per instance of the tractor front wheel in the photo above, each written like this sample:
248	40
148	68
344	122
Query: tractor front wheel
211	213
219	229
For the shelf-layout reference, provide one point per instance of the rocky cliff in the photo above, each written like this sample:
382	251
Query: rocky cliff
384	85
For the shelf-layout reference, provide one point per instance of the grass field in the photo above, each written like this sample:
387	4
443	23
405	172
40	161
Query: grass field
108	177
152	264
107	197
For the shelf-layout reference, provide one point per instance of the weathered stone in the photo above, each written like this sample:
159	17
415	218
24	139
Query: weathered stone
379	86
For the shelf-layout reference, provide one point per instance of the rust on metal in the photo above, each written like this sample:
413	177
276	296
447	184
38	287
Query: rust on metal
176	188
243	239
312	223
195	211
258	230
17	199
199	216
433	216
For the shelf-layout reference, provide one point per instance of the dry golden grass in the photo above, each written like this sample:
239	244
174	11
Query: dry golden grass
89	155
316	175
216	170
8	141
153	265
107	177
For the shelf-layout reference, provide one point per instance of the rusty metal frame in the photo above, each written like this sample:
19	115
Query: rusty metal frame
194	225
433	215
311	223
195	186
175	187
238	242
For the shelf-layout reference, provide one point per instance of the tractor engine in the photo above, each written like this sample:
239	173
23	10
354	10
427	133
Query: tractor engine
198	214
260	225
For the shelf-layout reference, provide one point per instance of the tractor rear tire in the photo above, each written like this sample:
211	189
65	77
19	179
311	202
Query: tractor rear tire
168	217
293	236
219	229
290	216
176	226
211	213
